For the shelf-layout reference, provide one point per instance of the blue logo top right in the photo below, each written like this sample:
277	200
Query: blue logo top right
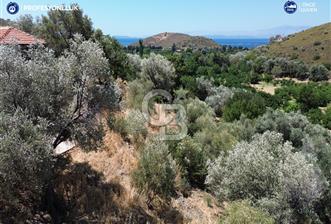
290	7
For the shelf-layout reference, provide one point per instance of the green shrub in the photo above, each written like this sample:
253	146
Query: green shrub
156	171
264	168
316	57
250	104
319	73
137	90
25	166
193	161
195	109
159	71
240	212
216	138
136	123
315	116
118	124
327	118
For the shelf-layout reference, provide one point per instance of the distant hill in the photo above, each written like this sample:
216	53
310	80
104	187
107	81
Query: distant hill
182	41
312	46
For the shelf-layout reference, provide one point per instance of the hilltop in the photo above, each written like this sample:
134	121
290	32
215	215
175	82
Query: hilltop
311	46
167	40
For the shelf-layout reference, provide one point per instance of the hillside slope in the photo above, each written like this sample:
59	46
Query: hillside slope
167	40
311	46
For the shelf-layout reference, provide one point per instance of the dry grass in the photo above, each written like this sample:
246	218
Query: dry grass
199	208
102	179
265	87
307	45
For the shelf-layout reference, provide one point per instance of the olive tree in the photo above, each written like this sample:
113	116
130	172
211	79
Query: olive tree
25	164
67	91
159	70
266	168
218	97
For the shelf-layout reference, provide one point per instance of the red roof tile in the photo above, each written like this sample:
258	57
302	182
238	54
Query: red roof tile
11	35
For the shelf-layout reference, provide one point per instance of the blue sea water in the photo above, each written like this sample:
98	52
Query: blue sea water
248	43
126	41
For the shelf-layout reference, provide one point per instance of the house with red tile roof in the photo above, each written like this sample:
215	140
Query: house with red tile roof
12	35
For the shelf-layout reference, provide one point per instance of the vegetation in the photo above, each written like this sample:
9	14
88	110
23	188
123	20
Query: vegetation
277	182
305	46
266	154
156	172
241	212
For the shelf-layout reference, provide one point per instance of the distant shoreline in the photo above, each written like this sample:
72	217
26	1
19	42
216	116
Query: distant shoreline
234	42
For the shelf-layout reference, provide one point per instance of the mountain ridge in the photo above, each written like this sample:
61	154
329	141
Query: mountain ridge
179	40
312	45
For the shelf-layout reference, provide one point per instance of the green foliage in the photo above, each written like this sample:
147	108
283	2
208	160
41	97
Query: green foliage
26	23
193	161
305	136
215	138
25	164
118	61
240	212
250	104
319	73
327	118
118	124
316	116
58	27
137	90
196	108
67	91
307	96
264	168
136	123
156	173
159	70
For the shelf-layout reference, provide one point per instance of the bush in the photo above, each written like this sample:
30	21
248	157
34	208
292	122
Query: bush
319	73
218	97
195	109
25	166
267	167
290	125
156	171
250	104
327	118
136	127
315	116
159	70
137	90
311	97
68	91
118	124
136	123
191	157
240	212
215	138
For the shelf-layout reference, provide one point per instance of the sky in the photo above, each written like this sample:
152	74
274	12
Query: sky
140	18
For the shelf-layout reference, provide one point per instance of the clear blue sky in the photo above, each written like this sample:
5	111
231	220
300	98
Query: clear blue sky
146	17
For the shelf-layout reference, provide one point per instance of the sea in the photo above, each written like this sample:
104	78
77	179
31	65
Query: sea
247	43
